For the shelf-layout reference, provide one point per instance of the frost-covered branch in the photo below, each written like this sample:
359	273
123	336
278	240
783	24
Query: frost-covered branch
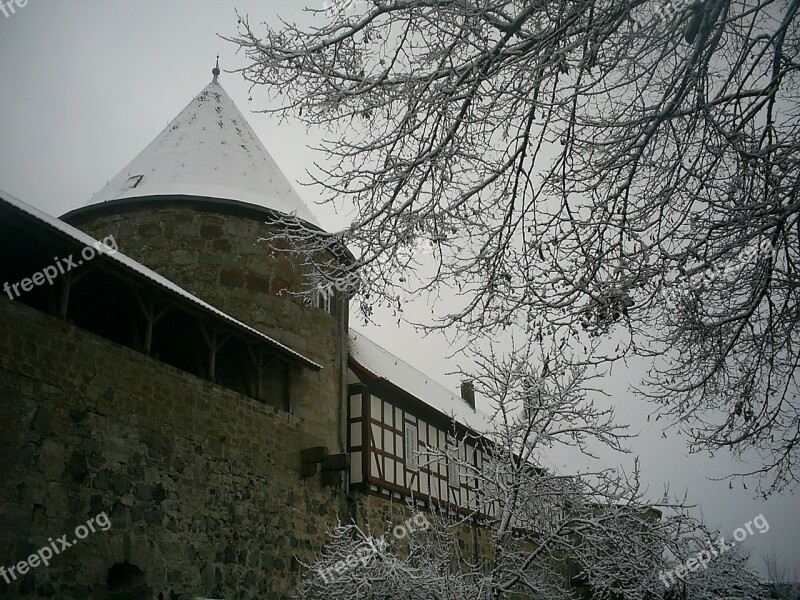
583	169
546	534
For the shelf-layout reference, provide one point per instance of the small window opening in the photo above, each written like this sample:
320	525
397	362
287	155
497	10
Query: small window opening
325	300
453	475
133	182
411	450
124	577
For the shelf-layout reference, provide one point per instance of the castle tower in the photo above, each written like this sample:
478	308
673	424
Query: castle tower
201	205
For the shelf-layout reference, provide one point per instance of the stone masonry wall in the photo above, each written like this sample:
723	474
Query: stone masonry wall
234	264
201	484
381	515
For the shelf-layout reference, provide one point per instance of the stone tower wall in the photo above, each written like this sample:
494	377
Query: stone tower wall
201	484
235	263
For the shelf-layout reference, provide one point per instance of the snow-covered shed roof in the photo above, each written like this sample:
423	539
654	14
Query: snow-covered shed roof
209	150
384	365
139	269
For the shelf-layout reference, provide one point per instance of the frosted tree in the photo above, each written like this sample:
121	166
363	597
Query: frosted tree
609	168
357	564
784	582
713	569
550	534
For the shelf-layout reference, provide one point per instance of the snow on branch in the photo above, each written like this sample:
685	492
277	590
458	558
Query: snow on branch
575	164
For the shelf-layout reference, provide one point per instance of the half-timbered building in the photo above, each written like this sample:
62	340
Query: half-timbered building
395	415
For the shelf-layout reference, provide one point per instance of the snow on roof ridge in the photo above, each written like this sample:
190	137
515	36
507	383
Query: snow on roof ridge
437	396
208	150
409	366
475	419
139	268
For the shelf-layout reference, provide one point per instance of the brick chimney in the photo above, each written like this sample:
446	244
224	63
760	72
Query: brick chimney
468	393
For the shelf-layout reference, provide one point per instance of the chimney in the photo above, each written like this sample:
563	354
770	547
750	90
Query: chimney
468	393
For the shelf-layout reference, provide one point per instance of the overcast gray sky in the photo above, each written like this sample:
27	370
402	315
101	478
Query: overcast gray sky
85	85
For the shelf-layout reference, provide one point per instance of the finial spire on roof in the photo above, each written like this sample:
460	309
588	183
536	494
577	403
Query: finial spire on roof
208	151
215	71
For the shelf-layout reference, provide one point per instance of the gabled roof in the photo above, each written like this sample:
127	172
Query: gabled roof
120	261
210	151
383	365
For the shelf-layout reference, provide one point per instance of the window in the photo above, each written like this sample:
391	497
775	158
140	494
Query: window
325	300
133	182
411	449
453	476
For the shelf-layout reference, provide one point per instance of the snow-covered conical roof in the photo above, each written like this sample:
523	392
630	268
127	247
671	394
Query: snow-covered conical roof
209	150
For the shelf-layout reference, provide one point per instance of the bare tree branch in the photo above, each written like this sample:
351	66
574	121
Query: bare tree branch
584	168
